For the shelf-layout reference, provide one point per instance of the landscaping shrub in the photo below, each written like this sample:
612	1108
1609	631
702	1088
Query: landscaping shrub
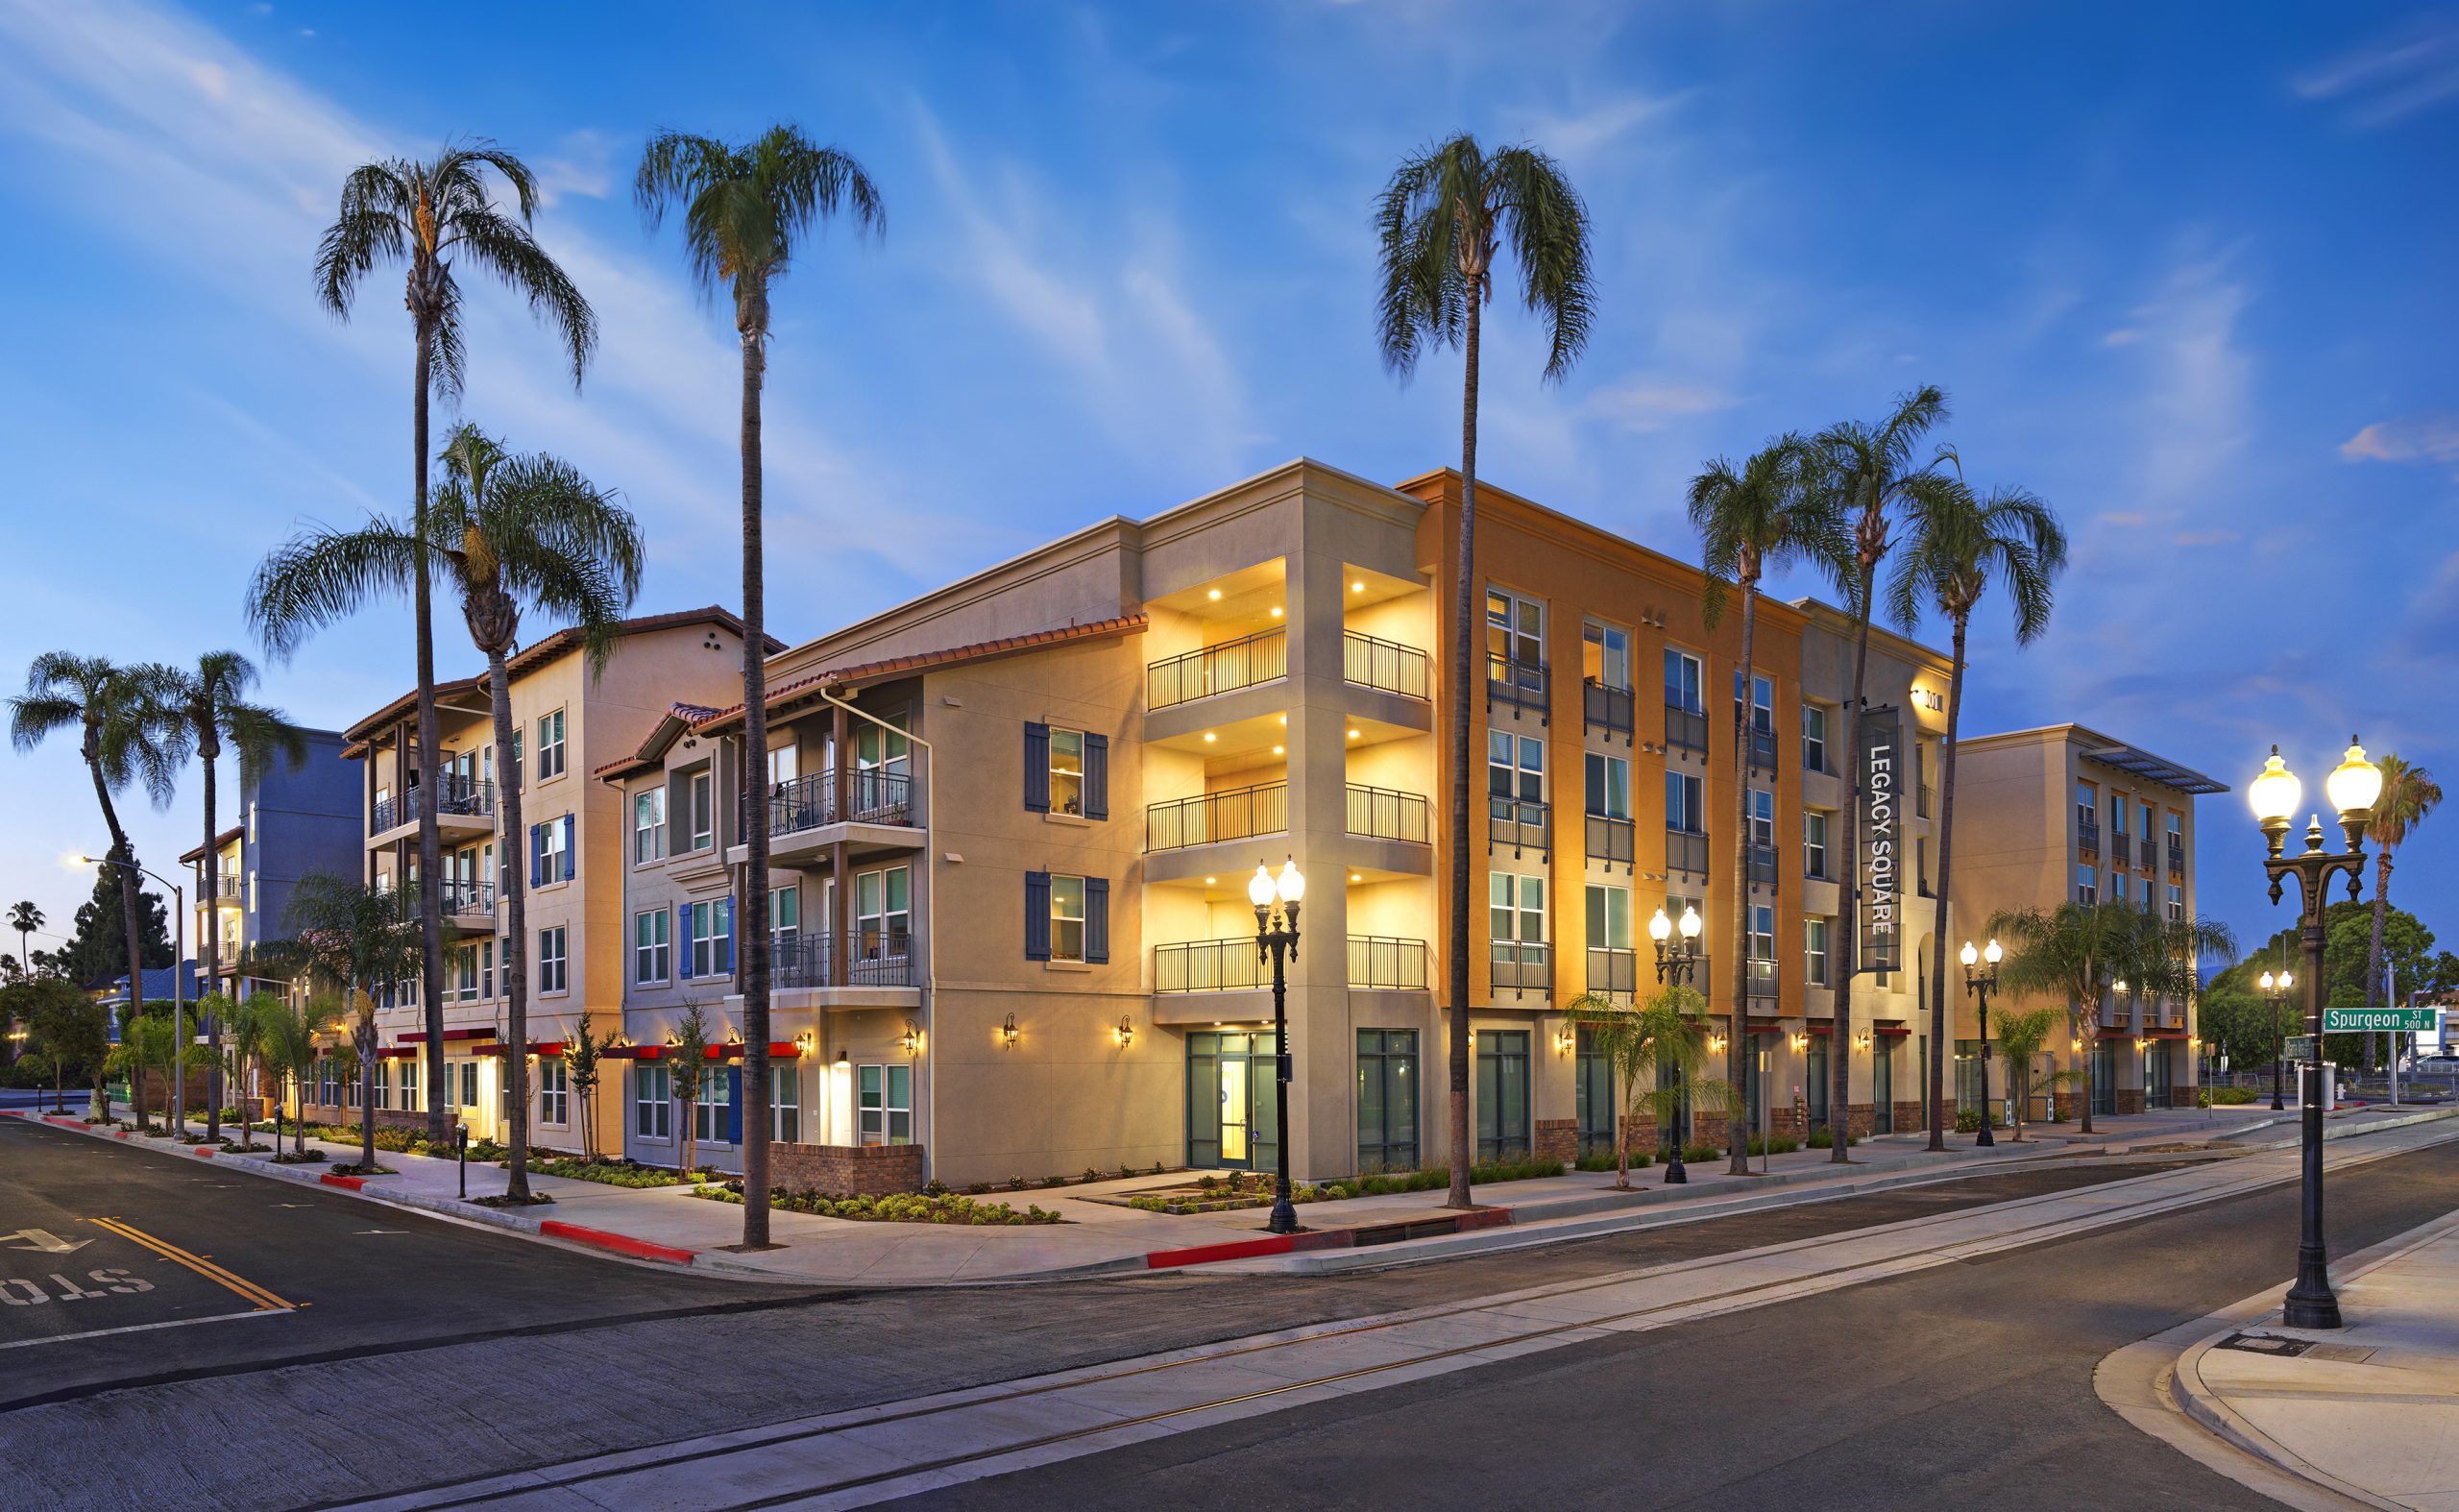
606	1173
2229	1096
1825	1139
1967	1120
896	1208
1779	1145
1603	1161
1699	1150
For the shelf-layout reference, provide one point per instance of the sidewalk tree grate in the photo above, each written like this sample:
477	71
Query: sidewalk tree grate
2266	1344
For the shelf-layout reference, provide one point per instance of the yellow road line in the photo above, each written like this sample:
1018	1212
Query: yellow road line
198	1263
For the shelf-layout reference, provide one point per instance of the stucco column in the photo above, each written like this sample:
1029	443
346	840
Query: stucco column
1322	1119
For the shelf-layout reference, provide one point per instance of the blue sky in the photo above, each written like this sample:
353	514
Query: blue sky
2183	269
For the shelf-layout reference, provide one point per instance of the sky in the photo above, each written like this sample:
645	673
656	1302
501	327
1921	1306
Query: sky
2183	270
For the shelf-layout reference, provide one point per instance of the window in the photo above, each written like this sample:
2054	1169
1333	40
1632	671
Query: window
1515	636
520	771
2117	881
884	1111
713	1112
651	962
411	1102
486	969
648	825
1762	702
1814	951
2087	805
2176	831
1605	655
555	1091
886	750
1517	908
707	938
883	902
653	1100
1813	738
2146	830
552	974
2088	887
1066	771
701	792
384	1085
1763	817
1609	918
464	974
785	1105
551	745
785	916
1515	770
1815	844
2117	814
1066	920
784	763
2177	902
1763	934
1609	785
1685	806
469	1084
552	845
1682	681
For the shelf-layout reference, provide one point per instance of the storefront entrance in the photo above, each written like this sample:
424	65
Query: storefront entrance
1230	1112
1502	1094
1387	1100
2158	1081
2105	1077
1593	1095
1882	1084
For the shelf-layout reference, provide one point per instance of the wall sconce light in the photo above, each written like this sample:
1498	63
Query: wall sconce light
1862	1041
1472	1039
1008	1033
840	1059
1125	1033
911	1041
805	1041
2076	1045
1715	1041
1563	1039
2143	1044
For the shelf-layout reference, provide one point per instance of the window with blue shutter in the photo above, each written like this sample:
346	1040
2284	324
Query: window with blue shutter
1037	768
1096	776
734	1104
572	848
725	936
1037	916
682	939
536	855
1097	920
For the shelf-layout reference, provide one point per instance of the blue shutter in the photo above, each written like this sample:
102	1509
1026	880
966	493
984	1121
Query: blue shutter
1037	768
1037	916
571	849
725	935
536	855
734	1104
682	940
1096	776
1097	920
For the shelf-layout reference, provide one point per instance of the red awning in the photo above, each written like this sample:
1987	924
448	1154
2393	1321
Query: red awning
1892	1031
1822	1027
418	1036
778	1050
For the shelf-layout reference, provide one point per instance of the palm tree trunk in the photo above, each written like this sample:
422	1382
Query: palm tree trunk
516	1059
1736	1043
2373	947
125	855
1839	1096
2091	1043
209	751
1463	634
751	909
1938	930
430	765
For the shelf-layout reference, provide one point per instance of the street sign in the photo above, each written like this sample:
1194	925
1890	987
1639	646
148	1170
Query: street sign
2300	1049
2354	1021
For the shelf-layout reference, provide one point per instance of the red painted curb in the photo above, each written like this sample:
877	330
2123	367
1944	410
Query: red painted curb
66	1122
1485	1218
203	1152
619	1243
352	1183
1230	1250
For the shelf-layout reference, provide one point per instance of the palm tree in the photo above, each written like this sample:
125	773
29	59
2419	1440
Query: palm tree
249	1033
2073	951
25	918
120	741
1443	222
428	214
1868	471
202	708
1759	520
746	207
2408	794
357	942
1655	1055
2021	1036
289	1048
1956	543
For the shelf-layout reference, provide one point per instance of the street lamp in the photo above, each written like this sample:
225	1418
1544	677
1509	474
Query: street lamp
2275	988
1277	941
1679	962
2351	789
1980	983
178	996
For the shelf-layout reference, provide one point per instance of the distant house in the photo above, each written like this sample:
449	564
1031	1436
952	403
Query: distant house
113	992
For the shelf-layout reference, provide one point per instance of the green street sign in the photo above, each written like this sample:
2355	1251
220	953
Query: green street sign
2356	1020
2300	1049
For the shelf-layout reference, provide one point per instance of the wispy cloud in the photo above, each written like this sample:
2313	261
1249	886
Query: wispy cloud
2391	78
2198	378
1606	124
1640	403
2411	438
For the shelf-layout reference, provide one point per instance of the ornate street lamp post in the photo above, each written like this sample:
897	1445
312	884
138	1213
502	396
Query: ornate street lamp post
2351	789
2276	990
1676	963
1980	982
1277	941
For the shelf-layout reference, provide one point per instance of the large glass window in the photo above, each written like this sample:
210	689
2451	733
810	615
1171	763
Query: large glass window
2087	804
1762	702
1502	1094
1815	844
1066	770
1515	770
652	1101
1514	636
1517	908
555	1091
648	825
552	963
784	763
882	904
711	930
710	1114
2117	815
1763	817
1592	1101
653	955
785	1105
1813	738
700	787
2087	885
1684	803
883	1111
785	916
1609	918
1605	655
1815	958
1067	919
1609	785
1682	680
551	745
1387	1100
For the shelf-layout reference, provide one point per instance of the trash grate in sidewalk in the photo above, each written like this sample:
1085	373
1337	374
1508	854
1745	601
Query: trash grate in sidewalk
2266	1344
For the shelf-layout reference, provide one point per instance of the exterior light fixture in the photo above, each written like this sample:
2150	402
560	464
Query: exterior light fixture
1352	735
1281	751
1008	1033
1276	611
1676	962
1980	981
1126	1033
1209	737
1277	941
911	1041
1359	587
1215	596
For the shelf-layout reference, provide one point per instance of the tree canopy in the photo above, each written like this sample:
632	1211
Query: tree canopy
99	946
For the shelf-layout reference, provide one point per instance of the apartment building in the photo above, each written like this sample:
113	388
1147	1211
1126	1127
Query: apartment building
566	721
293	820
2064	813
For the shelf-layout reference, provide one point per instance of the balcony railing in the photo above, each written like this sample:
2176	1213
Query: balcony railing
2150	853
1523	966
1519	823
1607	709
1226	668
2176	862
875	795
1613	972
1209	965
874	956
1763	863
1382	813
229	886
472	797
1686	728
1233	814
2088	837
1385	665
1386	965
1522	684
1763	982
1612	841
469	897
1685	850
1762	749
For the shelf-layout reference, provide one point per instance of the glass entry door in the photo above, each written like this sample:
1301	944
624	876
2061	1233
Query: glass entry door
1502	1094
1231	1120
1883	1084
2105	1077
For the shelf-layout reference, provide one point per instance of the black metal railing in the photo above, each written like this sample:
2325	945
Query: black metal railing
1224	667
1686	728
2150	853
1607	709
1763	863
1519	824
1685	850
469	897
471	798
230	885
1383	814
2177	861
1387	964
1385	665
1522	684
1763	982
1613	972
1612	841
1209	965
870	795
1522	966
1762	749
1233	814
2088	837
875	956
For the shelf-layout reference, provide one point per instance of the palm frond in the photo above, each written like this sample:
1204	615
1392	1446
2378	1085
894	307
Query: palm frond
1546	224
1419	227
504	247
320	576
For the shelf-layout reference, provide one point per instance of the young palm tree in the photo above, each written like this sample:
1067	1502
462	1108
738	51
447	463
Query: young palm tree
120	741
2072	951
249	1023
1957	544
1759	520
2020	1038
746	207
2170	956
25	918
357	942
1444	222
1869	472
290	1049
1656	1058
203	707
428	215
505	533
2408	794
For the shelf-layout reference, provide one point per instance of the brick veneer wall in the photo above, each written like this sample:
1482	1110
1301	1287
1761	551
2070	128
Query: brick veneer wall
1908	1118
2182	1097
846	1170
1557	1139
348	1117
2129	1099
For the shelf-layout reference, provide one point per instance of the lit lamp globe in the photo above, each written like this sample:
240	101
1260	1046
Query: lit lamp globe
2273	795
1660	928
1259	890
1993	953
1970	957
1292	885
1692	923
2266	981
2353	787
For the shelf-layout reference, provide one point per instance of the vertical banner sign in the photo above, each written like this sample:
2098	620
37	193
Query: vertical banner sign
1882	842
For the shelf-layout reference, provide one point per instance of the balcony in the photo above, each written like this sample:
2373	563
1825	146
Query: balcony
1762	749
1518	685
2177	862
1686	851
810	802
1210	966
1384	666
1686	728
1613	841
1613	973
1763	865
2150	853
1233	814
1519	823
1762	985
1522	966
469	906
468	803
1384	965
876	956
1607	709
1226	668
230	888
2088	837
1383	814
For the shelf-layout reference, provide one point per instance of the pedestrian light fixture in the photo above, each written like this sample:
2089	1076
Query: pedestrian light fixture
2276	987
1980	981
1676	962
1277	941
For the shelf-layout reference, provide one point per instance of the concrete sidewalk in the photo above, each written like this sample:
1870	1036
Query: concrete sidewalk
2369	1410
669	1225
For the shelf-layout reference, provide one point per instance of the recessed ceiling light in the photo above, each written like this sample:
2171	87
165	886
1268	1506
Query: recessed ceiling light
1284	718
1353	876
1210	881
1352	735
1281	751
1215	596
1358	587
1208	737
1276	611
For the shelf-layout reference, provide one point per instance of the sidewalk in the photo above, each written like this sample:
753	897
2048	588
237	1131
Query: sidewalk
2369	1410
669	1225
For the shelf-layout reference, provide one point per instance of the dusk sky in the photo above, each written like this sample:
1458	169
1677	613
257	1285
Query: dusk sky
2186	271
